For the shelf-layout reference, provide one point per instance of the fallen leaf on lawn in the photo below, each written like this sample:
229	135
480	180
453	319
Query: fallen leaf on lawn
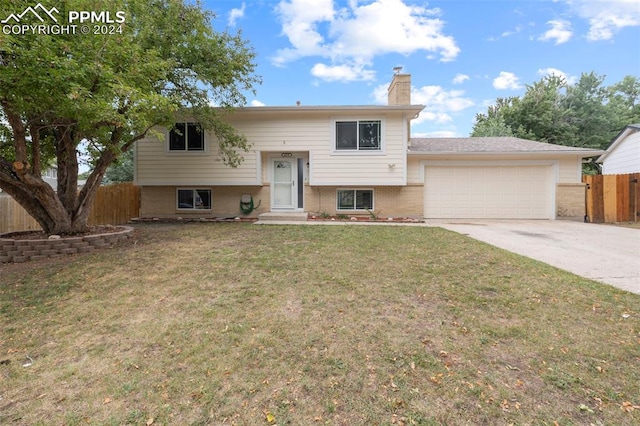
106	400
586	408
629	407
150	421
270	417
505	405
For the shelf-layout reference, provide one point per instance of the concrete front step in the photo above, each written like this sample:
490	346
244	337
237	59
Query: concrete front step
283	217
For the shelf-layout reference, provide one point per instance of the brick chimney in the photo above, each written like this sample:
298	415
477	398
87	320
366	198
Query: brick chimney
400	90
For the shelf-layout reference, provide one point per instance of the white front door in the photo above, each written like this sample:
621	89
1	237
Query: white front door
283	185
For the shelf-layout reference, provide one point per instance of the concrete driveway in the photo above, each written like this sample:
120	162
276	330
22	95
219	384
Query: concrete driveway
603	253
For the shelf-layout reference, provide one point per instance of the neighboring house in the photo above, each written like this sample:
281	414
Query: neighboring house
623	154
355	159
50	176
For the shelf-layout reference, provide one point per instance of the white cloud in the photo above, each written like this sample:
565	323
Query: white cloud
507	33
560	32
357	33
506	80
257	103
300	20
236	14
516	30
439	103
571	80
342	73
607	17
460	78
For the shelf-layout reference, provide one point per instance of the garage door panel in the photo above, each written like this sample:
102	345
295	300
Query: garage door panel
501	192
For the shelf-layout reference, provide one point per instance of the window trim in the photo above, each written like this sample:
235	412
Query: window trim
194	209
205	147
334	134
355	208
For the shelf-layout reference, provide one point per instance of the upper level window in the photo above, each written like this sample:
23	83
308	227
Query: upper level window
358	135
186	137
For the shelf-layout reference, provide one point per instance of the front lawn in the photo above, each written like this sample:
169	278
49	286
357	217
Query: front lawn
341	325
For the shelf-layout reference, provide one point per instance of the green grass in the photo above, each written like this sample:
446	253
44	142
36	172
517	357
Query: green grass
344	325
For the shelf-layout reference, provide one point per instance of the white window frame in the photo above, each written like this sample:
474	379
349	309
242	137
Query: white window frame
358	151
186	149
355	207
194	209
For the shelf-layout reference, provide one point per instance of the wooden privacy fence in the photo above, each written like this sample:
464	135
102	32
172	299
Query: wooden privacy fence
114	205
612	198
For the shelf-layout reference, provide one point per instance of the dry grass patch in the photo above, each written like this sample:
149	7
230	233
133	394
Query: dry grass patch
248	325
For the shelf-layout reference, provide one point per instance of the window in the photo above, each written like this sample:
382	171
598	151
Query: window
186	137
358	135
355	199
194	199
51	173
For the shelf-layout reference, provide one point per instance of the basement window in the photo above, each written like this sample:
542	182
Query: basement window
355	199
186	137
194	199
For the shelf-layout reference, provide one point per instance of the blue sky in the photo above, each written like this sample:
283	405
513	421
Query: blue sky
462	54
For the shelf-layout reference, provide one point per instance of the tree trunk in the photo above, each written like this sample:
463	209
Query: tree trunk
40	201
67	210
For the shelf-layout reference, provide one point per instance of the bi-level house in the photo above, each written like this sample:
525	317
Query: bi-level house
355	160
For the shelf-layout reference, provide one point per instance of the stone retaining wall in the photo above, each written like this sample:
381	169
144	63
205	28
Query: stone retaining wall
17	251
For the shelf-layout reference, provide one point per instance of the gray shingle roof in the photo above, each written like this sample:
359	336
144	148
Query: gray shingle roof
488	144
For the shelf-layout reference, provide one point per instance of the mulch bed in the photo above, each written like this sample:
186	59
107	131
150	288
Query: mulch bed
363	219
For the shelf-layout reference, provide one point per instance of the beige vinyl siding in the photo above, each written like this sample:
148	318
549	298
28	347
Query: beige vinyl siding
277	133
155	165
384	167
569	169
285	135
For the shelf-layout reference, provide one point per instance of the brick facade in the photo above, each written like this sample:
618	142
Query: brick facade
389	201
160	201
570	200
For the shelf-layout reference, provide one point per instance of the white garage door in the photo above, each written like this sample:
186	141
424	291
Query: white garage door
489	192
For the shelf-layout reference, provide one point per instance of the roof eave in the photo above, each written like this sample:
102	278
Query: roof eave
323	108
583	154
617	140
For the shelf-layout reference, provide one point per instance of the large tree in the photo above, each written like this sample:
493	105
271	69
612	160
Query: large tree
121	170
584	114
492	124
103	92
